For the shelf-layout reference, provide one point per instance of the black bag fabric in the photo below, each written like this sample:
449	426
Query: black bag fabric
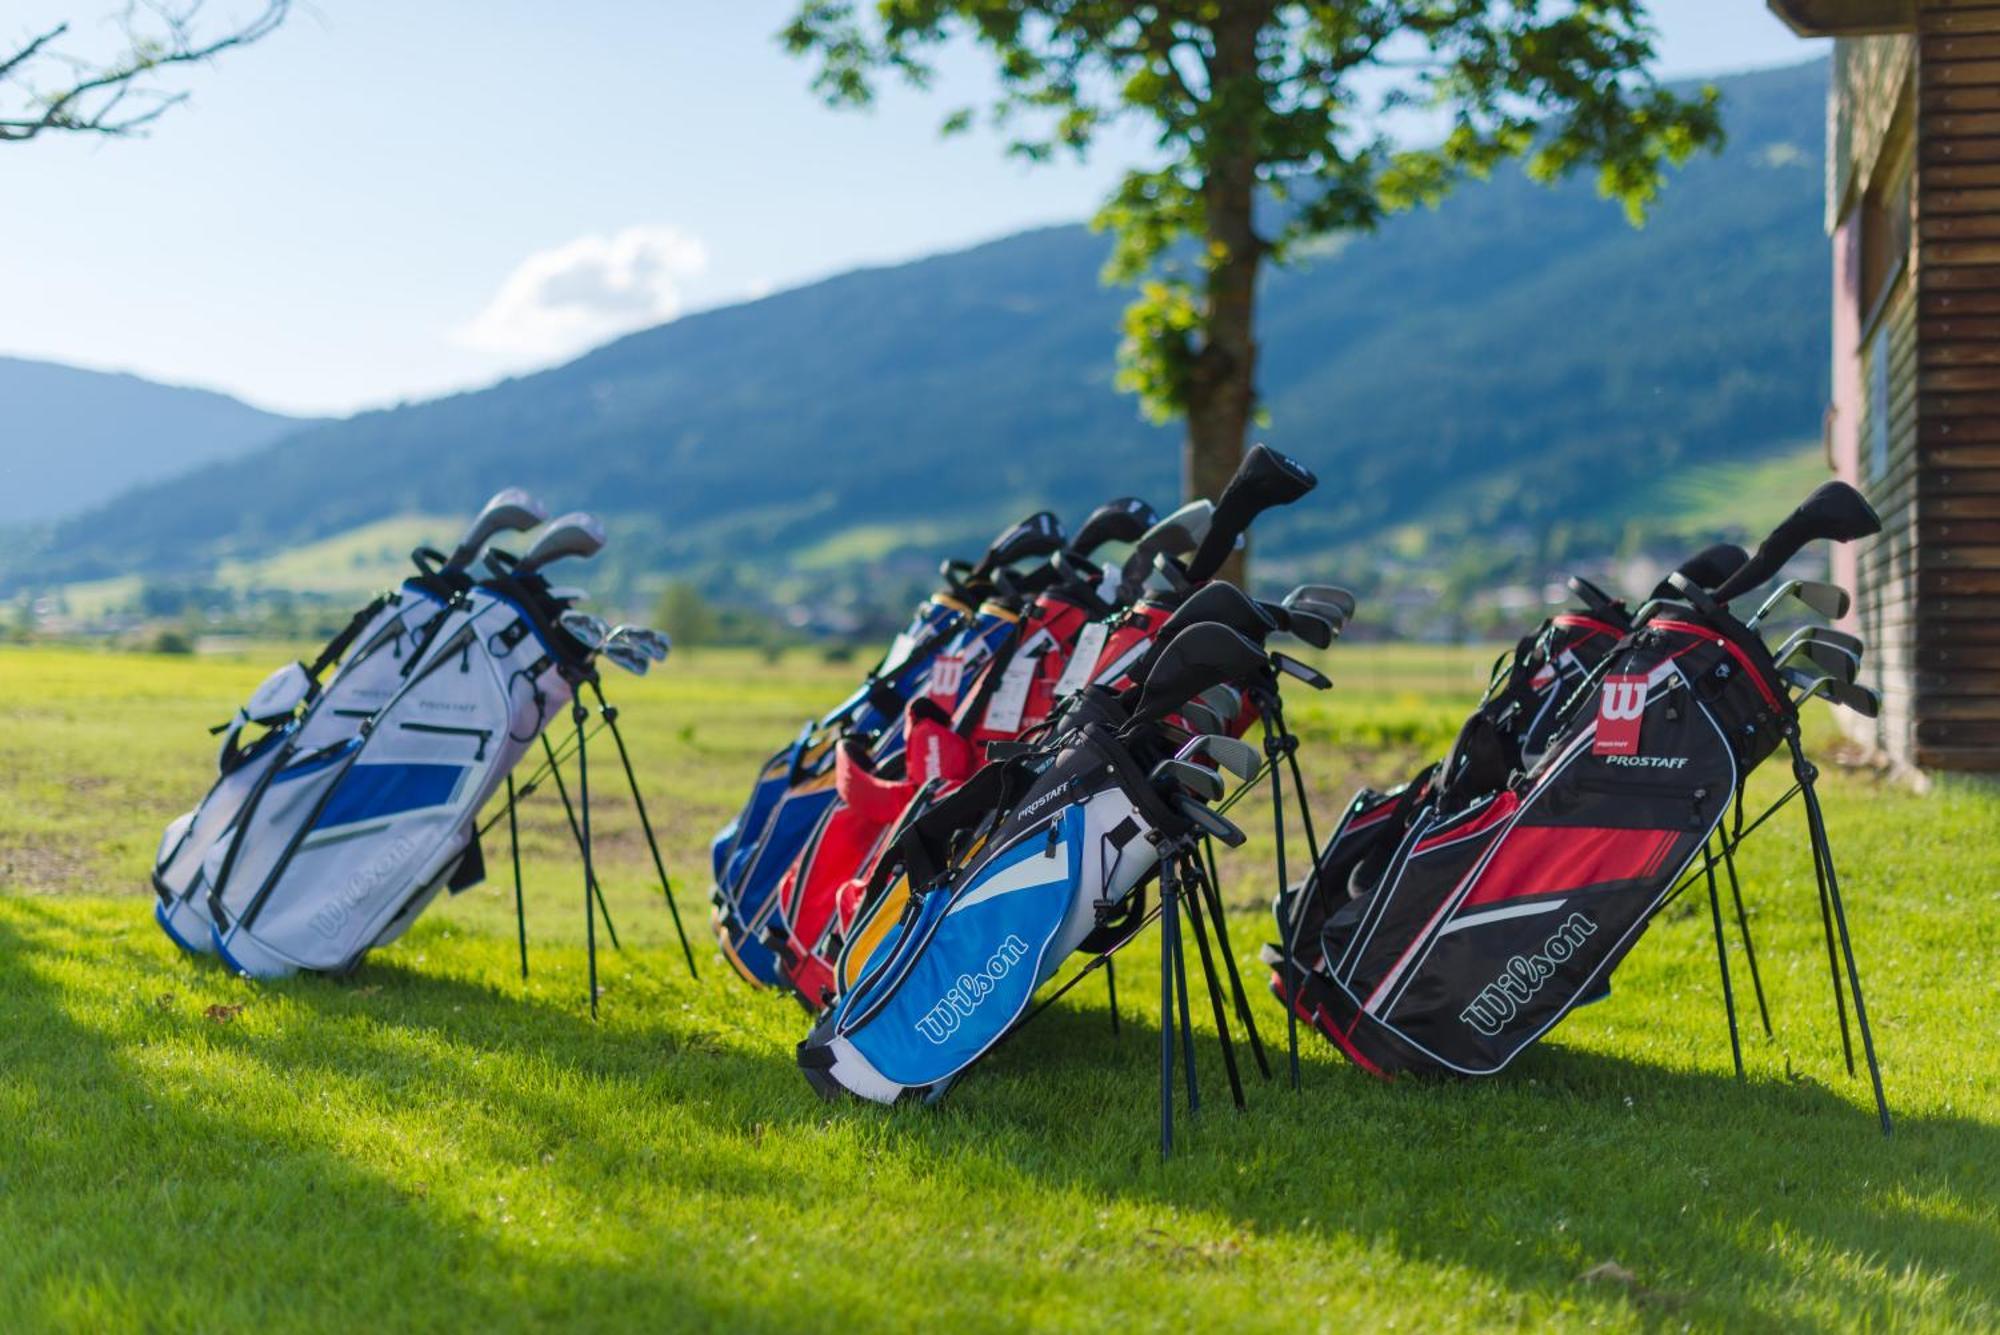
1491	922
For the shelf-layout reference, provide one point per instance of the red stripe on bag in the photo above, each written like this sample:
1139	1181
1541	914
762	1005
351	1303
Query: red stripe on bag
1547	859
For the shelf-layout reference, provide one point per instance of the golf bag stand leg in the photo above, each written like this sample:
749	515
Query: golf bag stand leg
1195	913
1290	744
1743	925
1722	963
1266	703
1111	990
1829	884
610	715
514	847
1179	944
1210	887
578	715
576	832
1166	1016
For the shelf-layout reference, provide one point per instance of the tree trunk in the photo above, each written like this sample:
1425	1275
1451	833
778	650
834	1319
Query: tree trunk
1222	390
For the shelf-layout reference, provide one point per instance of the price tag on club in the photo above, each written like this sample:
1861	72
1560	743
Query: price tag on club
1089	644
1010	697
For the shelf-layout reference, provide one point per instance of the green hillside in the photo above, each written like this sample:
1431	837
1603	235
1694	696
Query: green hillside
1519	368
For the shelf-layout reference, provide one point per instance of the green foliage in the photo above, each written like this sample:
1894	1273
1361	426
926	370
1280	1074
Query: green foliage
172	642
1288	100
437	1143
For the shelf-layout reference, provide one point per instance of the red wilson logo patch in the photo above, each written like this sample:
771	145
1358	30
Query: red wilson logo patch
1620	707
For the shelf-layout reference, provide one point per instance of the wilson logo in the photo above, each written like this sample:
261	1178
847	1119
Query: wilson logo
1620	707
970	992
364	882
1525	975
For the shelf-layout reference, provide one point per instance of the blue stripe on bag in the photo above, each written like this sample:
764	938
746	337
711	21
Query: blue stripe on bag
369	792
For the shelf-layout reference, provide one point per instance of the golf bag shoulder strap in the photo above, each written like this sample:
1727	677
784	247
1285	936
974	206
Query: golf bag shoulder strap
1130	776
340	643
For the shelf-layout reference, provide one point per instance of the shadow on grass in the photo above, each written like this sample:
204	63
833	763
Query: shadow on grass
1717	1194
140	1199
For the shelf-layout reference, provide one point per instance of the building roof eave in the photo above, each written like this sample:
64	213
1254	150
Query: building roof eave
1845	18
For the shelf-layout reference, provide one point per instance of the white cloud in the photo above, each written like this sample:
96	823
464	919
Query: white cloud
569	297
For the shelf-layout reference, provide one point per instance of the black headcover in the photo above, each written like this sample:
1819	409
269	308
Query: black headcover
1707	567
1217	602
1265	479
1835	511
1123	520
1205	655
1040	534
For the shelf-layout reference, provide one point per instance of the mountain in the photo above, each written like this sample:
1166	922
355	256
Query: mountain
1520	367
71	439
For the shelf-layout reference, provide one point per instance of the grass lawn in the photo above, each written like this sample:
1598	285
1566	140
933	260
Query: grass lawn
434	1143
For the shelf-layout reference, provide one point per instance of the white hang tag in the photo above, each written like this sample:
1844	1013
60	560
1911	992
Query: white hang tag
1010	697
1082	658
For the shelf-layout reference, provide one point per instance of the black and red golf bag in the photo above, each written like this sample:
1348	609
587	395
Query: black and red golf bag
1508	734
1491	922
1494	918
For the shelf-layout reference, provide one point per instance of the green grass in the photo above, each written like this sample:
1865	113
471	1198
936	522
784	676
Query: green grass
436	1144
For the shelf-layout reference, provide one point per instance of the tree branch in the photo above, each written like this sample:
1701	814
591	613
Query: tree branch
97	100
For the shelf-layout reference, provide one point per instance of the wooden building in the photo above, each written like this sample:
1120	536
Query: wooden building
1913	208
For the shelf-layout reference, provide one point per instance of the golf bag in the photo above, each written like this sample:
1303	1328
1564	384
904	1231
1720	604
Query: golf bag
1131	647
1041	854
1055	841
297	715
346	842
1492	921
1014	692
747	915
795	787
1508	734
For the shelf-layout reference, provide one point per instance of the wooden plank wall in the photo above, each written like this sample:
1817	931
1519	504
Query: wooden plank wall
1873	143
1955	668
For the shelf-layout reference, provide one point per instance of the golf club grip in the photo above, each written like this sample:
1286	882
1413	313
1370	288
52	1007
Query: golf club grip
1835	511
1266	480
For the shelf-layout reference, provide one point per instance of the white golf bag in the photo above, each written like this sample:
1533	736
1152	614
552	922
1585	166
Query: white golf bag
347	842
298	716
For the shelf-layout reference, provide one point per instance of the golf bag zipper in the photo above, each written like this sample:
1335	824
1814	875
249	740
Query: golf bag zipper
484	735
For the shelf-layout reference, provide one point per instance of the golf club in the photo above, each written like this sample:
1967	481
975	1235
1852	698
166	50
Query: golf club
625	656
1197	780
1823	659
573	535
509	510
1828	601
1230	753
587	630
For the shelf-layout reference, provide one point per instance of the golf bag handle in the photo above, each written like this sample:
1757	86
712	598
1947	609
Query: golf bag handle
1266	479
1834	511
1707	568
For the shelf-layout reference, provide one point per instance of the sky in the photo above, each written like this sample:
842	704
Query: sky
386	201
